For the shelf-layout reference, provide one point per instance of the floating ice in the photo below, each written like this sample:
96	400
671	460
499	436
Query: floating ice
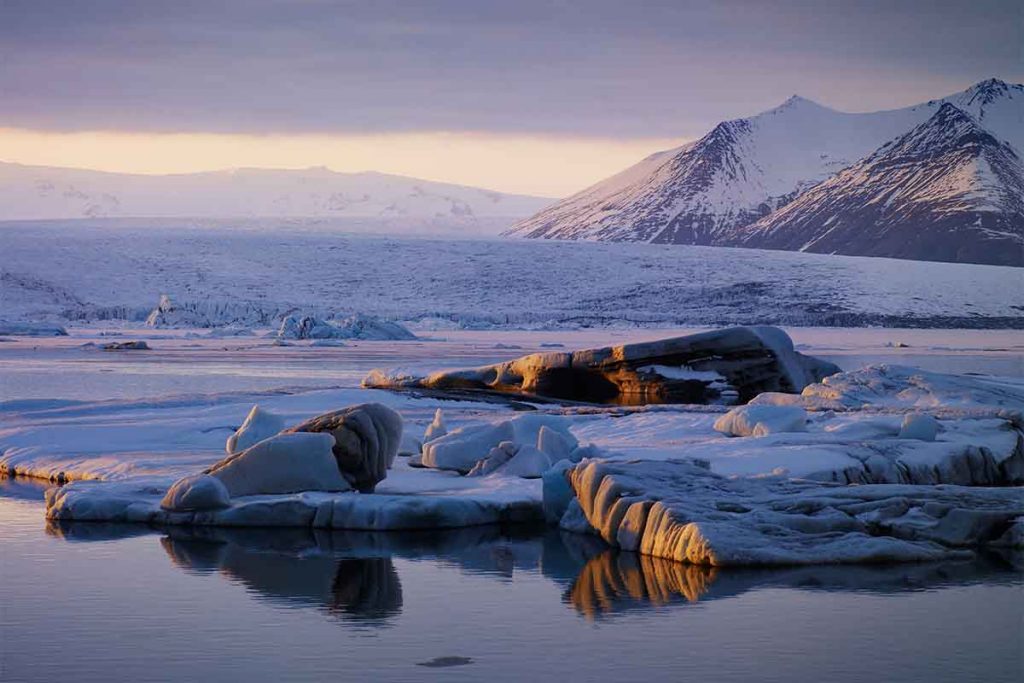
720	366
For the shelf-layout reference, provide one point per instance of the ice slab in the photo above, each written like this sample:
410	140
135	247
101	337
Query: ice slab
678	511
407	499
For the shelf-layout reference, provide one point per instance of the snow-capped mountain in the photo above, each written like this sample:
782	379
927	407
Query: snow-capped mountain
946	191
37	192
707	191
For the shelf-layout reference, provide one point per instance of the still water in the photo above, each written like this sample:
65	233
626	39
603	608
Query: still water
93	602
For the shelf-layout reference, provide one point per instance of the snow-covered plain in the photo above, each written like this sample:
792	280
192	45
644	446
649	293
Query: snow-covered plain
246	276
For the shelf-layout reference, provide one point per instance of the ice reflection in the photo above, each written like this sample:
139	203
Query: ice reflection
614	582
352	576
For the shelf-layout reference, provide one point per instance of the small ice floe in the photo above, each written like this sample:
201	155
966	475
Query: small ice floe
125	346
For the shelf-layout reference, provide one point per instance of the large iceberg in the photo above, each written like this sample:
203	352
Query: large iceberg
721	366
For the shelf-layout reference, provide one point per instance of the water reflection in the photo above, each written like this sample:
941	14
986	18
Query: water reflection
614	582
352	576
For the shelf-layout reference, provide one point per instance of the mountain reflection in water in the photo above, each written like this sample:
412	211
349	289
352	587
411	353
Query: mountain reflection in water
352	576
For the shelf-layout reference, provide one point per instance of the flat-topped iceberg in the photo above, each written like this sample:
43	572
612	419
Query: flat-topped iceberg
678	511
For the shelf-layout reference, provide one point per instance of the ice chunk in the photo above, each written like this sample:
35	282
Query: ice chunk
196	492
761	420
436	428
258	425
366	441
919	426
556	444
529	462
285	463
460	449
498	456
556	491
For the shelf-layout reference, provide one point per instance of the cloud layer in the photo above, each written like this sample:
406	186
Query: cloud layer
585	68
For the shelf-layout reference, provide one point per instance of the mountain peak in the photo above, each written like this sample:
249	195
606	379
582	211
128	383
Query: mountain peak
948	128
797	101
988	91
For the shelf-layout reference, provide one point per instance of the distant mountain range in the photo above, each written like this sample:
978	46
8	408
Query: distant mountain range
939	181
40	192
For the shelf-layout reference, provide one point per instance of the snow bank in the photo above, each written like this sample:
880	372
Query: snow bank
678	511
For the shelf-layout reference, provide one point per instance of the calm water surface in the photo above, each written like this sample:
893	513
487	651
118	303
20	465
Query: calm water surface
92	602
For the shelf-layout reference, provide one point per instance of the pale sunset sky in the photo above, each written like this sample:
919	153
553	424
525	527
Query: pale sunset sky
531	97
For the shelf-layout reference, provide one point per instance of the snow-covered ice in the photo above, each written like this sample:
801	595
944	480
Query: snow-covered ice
247	276
123	455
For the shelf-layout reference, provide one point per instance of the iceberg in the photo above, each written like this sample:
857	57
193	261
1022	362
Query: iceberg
721	366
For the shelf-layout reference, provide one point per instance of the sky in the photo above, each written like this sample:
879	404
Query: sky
532	97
